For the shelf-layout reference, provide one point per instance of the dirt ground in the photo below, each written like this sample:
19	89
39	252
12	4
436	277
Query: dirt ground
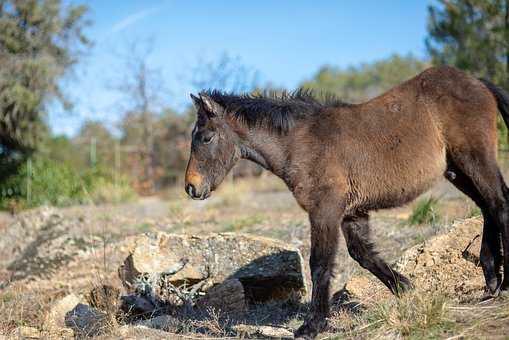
260	206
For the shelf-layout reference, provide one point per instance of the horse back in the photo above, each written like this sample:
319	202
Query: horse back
387	151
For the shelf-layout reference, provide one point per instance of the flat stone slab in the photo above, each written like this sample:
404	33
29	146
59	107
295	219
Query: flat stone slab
267	269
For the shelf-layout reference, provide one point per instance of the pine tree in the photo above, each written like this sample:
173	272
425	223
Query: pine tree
472	35
40	41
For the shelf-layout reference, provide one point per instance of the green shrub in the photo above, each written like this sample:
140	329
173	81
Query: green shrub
474	211
425	212
104	190
41	181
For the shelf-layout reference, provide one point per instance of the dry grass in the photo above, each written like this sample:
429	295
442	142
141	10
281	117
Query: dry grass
19	307
414	316
421	315
264	207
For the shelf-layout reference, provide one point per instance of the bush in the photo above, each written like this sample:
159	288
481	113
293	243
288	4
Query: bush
107	190
45	182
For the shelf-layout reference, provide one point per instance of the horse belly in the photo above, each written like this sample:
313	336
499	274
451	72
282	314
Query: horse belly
395	178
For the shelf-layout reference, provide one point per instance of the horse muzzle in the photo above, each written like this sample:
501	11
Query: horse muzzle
197	193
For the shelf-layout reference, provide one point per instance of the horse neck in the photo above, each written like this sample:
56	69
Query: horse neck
266	149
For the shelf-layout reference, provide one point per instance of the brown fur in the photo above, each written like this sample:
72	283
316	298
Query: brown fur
341	161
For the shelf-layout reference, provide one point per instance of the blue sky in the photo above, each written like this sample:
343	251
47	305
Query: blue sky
285	41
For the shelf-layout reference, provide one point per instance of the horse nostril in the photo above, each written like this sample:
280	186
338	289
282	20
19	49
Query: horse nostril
191	190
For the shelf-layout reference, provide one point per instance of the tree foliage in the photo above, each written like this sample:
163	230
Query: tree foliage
359	83
472	35
40	41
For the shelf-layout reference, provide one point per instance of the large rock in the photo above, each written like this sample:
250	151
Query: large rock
440	264
228	295
39	242
266	268
162	322
54	320
446	263
87	321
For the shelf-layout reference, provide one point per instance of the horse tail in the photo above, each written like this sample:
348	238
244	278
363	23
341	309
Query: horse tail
502	98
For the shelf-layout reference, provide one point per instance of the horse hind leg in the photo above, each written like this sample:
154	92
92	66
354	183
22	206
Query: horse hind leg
490	257
356	233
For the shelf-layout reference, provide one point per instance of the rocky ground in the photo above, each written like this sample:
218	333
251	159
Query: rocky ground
63	271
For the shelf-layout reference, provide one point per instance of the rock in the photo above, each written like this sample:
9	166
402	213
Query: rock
227	296
40	242
252	331
86	321
439	264
132	332
135	305
55	318
266	268
446	263
364	288
162	322
473	250
23	230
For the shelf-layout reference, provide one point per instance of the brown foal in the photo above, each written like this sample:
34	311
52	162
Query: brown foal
341	161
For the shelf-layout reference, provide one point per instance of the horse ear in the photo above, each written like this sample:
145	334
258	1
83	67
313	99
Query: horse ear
196	101
211	107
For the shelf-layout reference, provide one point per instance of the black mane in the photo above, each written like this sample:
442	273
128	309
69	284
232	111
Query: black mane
277	111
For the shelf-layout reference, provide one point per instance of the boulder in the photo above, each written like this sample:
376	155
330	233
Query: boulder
228	295
447	263
41	241
473	250
23	230
267	269
162	322
87	321
54	320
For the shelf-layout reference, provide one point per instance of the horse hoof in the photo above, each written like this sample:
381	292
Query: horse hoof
490	294
305	333
309	330
403	285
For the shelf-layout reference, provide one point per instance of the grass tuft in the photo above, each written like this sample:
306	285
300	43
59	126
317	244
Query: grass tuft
415	315
425	212
475	211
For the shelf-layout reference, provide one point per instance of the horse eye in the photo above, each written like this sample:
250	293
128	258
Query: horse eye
208	138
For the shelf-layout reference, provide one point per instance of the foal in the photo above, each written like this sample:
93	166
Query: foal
341	161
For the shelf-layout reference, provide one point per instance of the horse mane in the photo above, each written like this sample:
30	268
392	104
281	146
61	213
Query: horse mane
277	111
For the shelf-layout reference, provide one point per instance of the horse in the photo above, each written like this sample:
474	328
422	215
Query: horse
341	161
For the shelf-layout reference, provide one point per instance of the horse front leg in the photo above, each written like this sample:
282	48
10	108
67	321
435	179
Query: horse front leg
325	221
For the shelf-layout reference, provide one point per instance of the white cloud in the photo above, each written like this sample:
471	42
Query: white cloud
132	19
